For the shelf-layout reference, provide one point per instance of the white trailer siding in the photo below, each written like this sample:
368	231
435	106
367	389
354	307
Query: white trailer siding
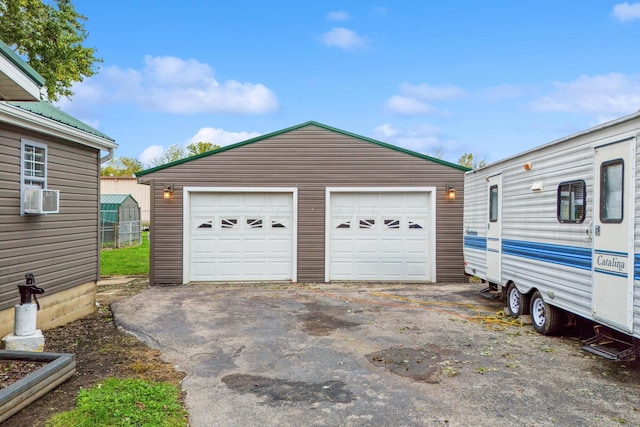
636	264
537	251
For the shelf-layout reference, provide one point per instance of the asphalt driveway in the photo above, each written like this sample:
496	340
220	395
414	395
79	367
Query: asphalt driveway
349	355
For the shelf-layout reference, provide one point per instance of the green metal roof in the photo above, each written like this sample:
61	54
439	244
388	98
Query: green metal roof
292	128
8	53
109	205
116	199
45	109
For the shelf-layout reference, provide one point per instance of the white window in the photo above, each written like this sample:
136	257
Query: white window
33	168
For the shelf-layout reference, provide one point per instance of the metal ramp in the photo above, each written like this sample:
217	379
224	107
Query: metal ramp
610	345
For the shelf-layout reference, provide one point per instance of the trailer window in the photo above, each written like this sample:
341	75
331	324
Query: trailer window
611	191
493	203
572	198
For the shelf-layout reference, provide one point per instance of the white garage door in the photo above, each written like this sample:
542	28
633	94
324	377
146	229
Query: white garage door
380	236
241	236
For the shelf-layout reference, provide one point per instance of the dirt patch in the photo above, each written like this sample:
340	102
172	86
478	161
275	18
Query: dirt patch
421	364
323	319
13	370
101	352
278	390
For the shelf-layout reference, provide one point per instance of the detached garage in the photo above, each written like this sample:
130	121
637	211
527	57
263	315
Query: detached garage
309	203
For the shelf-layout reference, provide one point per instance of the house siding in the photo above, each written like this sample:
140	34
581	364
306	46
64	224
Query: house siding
61	250
311	159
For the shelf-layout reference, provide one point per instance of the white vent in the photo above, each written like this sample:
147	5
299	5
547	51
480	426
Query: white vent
39	201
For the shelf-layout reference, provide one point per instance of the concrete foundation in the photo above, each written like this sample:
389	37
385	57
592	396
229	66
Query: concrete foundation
33	342
56	309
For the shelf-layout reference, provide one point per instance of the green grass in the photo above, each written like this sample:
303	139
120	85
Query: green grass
124	402
129	261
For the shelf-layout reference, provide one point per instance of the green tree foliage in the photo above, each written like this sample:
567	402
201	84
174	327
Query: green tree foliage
173	153
200	147
51	38
471	161
122	166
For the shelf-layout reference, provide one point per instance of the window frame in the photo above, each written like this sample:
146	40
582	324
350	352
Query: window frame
494	200
40	182
559	201
603	167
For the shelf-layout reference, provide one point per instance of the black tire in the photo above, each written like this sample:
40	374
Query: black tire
545	317
517	303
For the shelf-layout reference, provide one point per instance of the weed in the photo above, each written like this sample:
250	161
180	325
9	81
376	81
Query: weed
124	402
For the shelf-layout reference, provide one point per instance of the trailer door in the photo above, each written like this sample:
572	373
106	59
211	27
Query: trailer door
494	227
612	258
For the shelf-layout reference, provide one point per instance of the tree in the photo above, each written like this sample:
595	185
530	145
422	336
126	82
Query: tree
471	161
51	39
201	147
173	153
122	166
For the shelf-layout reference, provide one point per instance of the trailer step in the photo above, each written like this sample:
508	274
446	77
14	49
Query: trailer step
491	292
606	344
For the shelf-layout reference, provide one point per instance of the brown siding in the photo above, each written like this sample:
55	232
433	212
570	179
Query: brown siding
61	250
311	159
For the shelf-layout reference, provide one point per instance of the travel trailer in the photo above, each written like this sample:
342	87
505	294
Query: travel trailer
556	230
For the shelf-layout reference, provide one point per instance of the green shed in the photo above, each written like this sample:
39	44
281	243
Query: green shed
119	220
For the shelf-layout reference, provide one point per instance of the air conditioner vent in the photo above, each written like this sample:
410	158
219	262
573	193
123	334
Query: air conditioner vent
41	201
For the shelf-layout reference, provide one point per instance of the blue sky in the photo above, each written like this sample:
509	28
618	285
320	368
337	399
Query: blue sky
492	78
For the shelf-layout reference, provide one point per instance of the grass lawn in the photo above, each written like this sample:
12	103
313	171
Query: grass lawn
124	402
130	261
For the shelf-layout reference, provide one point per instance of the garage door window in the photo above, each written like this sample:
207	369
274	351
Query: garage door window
367	223
254	223
206	224
277	224
228	223
415	225
345	224
392	224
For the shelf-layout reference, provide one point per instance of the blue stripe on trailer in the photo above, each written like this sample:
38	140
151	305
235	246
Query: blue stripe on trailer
636	267
475	242
570	256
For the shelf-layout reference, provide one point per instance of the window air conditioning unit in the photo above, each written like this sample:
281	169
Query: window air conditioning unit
40	201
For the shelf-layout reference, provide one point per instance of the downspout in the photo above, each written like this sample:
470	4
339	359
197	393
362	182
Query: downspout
108	156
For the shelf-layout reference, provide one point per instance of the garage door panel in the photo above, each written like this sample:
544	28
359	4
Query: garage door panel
280	246
379	236
241	236
366	246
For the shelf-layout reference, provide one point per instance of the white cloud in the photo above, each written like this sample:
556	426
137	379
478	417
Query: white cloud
150	154
424	139
626	11
599	96
221	137
338	15
343	38
426	91
173	85
412	97
506	91
408	106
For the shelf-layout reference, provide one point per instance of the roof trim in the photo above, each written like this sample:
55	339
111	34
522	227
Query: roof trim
13	57
296	127
26	119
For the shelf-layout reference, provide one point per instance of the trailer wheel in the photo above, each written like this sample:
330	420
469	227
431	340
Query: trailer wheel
545	317
517	303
